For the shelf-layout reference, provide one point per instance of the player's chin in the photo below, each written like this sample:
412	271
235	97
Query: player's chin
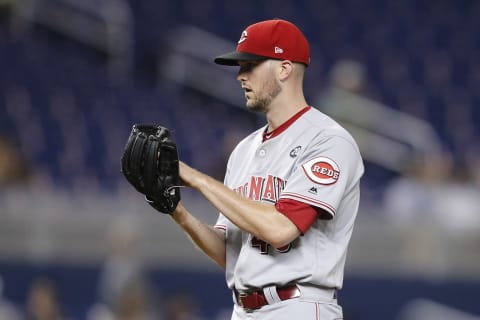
254	107
251	105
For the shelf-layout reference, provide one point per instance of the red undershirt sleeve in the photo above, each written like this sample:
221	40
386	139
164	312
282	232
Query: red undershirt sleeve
301	214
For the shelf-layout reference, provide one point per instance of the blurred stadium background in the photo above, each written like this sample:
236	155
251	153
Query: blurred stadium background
75	75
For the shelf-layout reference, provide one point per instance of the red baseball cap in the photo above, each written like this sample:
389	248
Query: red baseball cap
269	39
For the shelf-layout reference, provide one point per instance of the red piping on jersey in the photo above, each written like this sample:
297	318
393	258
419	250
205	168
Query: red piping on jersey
283	126
295	196
303	215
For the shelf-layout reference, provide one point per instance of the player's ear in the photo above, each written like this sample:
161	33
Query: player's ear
285	69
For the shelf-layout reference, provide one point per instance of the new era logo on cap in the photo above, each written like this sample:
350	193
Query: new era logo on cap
275	39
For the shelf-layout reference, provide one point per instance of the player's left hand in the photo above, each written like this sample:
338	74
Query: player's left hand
150	164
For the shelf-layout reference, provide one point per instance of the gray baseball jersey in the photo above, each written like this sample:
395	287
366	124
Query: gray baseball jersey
312	160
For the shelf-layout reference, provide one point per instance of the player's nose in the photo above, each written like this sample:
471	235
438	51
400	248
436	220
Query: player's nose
241	75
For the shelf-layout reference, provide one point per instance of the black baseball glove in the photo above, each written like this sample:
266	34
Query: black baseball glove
150	164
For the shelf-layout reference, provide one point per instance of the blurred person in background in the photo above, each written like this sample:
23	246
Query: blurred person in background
346	82
122	286
412	197
8	310
473	165
348	75
13	168
432	204
387	137
182	306
43	302
435	190
378	128
99	311
134	303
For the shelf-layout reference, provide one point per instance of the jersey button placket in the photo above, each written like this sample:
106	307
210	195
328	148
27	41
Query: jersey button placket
262	152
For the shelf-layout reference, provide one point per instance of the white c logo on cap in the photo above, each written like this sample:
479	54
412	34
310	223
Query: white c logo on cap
243	37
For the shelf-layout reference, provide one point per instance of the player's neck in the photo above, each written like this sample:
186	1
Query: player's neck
279	113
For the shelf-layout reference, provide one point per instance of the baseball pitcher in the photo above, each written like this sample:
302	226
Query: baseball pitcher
290	196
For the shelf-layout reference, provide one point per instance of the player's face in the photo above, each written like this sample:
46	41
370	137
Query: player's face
259	83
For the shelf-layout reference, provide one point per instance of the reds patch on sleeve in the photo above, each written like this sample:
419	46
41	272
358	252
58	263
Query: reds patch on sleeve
322	170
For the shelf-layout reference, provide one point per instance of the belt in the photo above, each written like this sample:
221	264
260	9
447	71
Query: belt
251	300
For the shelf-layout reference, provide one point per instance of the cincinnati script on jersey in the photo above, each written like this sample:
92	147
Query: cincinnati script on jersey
260	188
